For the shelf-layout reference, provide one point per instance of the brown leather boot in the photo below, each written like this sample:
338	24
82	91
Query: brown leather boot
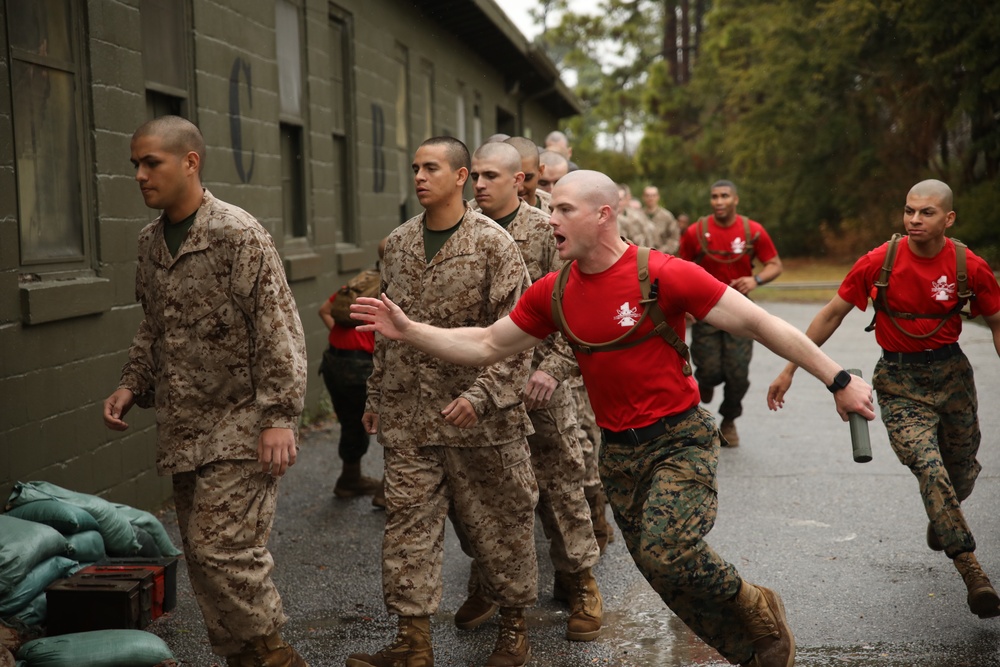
586	608
730	436
983	599
476	609
763	616
411	648
352	483
270	651
604	532
512	649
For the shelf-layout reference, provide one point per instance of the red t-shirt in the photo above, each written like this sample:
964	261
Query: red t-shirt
920	285
349	338
730	240
634	387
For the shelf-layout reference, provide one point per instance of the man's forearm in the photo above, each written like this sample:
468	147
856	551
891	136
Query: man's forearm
465	346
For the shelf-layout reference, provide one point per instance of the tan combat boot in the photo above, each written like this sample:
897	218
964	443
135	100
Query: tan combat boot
411	648
512	649
270	651
983	599
476	609
352	483
586	608
763	616
730	436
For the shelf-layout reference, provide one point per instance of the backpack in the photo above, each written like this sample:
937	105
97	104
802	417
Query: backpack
651	308
724	256
881	298
367	283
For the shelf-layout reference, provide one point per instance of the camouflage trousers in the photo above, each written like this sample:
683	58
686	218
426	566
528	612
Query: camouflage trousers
345	373
720	357
225	511
557	459
664	496
589	435
930	412
491	494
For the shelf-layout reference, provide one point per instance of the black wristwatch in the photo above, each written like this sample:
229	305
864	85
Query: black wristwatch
840	380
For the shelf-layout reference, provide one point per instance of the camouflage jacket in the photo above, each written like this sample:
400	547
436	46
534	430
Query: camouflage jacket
544	204
474	280
668	231
533	235
220	353
636	227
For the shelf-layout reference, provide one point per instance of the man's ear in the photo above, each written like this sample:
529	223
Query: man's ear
519	178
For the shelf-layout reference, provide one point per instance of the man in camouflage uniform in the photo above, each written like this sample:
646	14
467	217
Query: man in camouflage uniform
556	456
221	356
664	222
453	436
532	170
633	225
551	167
925	385
661	473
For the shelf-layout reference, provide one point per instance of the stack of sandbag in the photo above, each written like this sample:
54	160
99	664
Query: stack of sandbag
32	556
100	648
124	530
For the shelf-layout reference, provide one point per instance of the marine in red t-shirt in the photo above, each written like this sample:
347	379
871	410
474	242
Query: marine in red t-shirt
924	381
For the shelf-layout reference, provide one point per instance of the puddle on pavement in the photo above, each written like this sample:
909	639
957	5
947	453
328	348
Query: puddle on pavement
647	634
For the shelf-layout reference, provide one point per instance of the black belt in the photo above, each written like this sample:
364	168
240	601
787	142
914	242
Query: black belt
355	354
924	356
637	436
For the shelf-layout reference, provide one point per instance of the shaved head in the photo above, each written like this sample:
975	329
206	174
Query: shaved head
557	141
526	148
503	153
593	187
177	135
934	189
458	153
553	159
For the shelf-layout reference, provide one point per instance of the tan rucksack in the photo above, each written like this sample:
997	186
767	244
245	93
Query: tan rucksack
366	283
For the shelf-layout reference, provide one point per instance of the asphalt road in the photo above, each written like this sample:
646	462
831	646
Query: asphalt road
843	542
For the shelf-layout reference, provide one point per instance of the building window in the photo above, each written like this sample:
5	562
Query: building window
403	155
477	121
342	102
287	28
427	83
164	29
460	113
49	157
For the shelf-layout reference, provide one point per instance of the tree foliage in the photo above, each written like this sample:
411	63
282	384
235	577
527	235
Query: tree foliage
824	113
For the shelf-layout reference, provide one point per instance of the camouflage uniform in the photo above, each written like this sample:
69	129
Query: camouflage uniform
556	453
930	413
665	498
668	233
636	227
221	355
720	357
544	202
485	471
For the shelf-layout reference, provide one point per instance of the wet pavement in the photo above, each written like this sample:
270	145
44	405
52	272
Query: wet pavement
842	542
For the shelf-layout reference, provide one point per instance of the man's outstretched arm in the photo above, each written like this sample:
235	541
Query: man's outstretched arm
742	317
466	346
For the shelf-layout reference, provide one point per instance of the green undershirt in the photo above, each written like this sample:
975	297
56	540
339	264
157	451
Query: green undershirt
507	219
435	239
174	233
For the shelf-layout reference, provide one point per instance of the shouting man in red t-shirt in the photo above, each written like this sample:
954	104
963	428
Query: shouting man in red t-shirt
925	385
658	462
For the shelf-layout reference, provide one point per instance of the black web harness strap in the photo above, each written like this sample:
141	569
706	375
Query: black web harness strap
650	309
881	299
724	256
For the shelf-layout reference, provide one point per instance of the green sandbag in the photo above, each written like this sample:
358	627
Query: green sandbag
100	648
34	583
33	614
119	536
149	523
87	547
24	545
67	519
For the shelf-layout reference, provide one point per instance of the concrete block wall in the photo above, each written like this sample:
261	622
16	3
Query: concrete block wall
55	375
